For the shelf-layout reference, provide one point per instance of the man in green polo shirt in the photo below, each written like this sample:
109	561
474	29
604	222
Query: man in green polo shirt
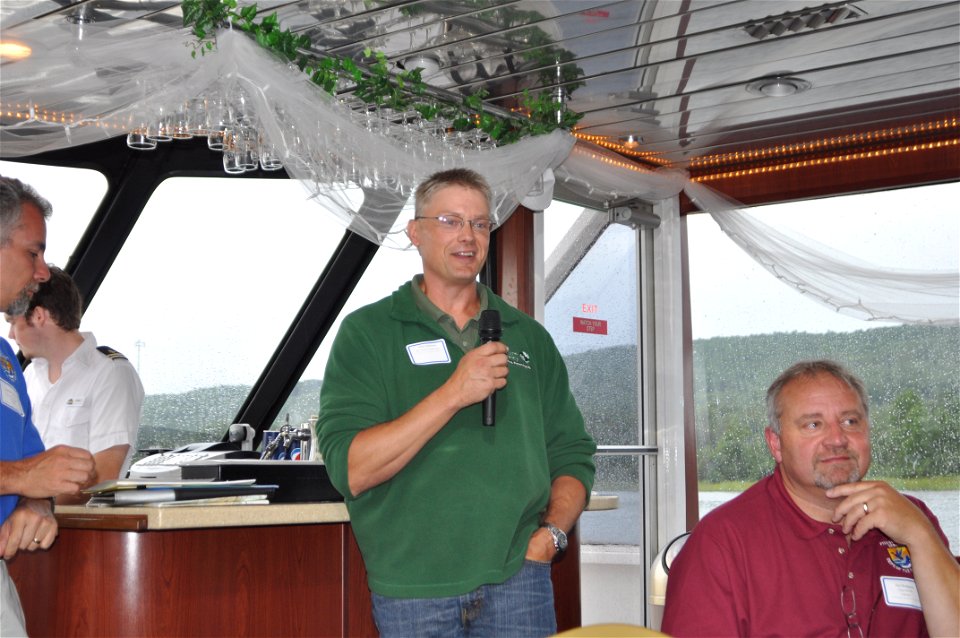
457	522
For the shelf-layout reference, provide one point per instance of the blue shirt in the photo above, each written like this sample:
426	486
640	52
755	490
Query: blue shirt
18	438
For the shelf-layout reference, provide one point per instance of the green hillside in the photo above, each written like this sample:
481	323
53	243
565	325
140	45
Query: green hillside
207	412
912	374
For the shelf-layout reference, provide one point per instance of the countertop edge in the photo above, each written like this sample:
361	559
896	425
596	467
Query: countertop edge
194	517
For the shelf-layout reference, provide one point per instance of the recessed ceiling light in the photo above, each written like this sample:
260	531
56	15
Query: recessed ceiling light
80	16
428	64
778	86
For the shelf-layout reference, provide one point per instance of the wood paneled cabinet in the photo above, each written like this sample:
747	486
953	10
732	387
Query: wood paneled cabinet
110	575
284	580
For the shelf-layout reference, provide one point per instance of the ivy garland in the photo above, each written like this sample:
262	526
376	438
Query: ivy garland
375	84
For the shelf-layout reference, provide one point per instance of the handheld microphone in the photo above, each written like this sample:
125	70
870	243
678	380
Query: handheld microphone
490	330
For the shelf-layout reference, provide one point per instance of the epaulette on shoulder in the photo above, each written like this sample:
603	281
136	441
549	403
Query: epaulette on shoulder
111	353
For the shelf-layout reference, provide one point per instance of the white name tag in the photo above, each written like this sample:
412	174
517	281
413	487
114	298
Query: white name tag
9	396
428	353
900	592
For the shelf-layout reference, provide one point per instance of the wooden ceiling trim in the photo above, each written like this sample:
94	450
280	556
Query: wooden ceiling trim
926	157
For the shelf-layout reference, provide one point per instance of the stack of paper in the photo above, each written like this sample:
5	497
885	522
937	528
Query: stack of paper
159	493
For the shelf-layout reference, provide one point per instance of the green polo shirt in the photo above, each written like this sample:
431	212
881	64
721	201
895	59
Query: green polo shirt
461	512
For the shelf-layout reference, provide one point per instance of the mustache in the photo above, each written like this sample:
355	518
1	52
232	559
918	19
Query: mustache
838	451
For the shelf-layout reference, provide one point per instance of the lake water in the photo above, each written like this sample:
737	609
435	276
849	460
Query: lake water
622	525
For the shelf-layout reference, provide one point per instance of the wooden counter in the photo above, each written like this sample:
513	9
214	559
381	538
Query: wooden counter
248	570
240	570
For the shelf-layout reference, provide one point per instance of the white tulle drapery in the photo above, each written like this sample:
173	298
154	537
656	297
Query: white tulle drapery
841	282
360	165
825	274
88	82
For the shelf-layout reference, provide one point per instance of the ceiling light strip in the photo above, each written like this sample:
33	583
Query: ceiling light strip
823	161
601	140
30	113
852	140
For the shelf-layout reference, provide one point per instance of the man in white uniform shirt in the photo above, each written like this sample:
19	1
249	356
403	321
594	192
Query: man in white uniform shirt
82	395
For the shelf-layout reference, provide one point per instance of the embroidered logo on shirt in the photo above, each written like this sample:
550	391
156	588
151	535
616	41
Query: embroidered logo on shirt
899	557
520	358
8	370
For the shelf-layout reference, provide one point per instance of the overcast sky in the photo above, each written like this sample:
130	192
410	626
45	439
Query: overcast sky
920	233
894	229
731	295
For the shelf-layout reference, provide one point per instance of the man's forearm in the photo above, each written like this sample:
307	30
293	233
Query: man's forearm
568	497
59	470
379	452
12	477
937	576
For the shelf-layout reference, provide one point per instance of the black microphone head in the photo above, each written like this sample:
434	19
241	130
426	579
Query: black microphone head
490	329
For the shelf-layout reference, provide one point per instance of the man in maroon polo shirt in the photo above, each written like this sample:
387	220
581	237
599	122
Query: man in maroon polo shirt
814	550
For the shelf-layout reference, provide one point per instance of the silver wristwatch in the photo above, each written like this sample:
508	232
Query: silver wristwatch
559	537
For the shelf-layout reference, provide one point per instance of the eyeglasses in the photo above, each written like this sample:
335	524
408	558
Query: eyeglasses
848	603
455	223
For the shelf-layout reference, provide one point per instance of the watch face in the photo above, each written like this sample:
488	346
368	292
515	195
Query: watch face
559	537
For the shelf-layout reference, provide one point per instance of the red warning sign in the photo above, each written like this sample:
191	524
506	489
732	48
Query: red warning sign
592	326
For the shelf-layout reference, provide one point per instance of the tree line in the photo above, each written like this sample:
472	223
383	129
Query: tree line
912	374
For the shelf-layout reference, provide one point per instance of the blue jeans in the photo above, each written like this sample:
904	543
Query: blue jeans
520	606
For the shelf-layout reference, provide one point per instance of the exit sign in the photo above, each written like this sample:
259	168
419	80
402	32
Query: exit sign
591	326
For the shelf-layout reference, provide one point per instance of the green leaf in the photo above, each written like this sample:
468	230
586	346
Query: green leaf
473	102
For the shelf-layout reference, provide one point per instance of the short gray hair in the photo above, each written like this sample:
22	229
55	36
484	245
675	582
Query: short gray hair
464	177
13	195
808	370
